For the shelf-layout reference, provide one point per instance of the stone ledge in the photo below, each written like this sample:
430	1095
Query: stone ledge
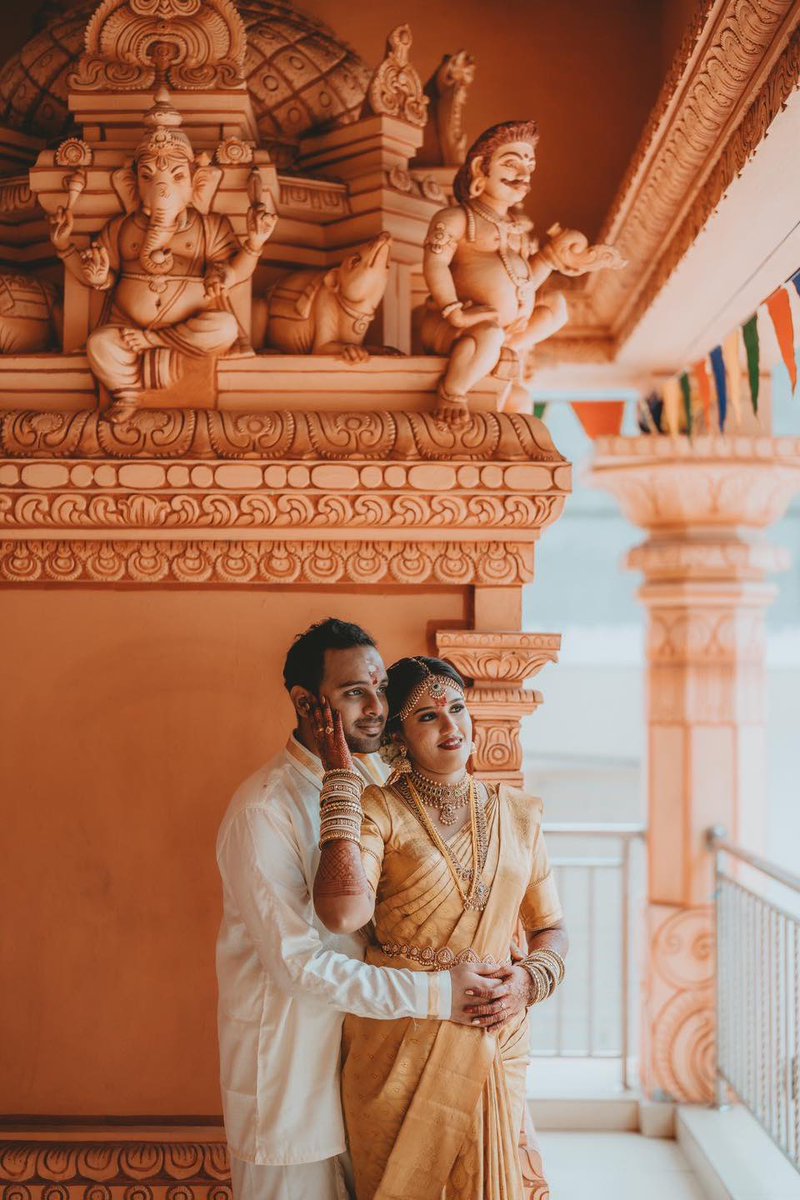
253	383
733	1157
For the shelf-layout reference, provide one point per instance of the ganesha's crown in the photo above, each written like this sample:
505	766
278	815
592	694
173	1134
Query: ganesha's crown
166	139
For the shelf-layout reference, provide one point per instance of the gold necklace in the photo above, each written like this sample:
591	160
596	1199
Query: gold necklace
447	798
476	894
504	227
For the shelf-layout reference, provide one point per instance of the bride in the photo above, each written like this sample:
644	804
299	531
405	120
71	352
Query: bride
442	867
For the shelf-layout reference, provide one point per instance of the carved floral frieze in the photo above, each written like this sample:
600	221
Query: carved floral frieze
225	562
73	510
90	1166
191	433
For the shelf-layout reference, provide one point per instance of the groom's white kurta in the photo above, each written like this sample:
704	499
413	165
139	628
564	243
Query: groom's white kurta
285	982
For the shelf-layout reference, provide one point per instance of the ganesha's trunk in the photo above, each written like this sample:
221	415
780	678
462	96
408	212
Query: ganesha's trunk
155	255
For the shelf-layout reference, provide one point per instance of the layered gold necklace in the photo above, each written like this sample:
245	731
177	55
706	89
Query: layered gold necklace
446	798
471	888
505	226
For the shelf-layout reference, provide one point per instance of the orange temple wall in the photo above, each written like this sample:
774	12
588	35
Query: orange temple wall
135	714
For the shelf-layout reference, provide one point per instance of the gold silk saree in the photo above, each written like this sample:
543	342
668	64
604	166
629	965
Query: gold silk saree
433	1109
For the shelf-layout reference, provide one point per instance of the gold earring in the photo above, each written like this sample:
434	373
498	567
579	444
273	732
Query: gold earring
402	766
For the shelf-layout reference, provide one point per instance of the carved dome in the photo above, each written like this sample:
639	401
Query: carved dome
300	76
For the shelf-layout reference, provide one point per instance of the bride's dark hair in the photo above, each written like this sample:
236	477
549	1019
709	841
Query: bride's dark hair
407	674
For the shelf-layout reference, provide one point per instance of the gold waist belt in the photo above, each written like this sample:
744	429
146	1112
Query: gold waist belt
440	958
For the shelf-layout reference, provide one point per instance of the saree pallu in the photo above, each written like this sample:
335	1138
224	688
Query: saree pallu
433	1109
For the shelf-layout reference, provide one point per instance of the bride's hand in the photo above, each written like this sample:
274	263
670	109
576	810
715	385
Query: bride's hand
328	730
520	988
480	996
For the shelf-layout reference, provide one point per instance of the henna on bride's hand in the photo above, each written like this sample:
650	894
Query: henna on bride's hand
340	872
328	731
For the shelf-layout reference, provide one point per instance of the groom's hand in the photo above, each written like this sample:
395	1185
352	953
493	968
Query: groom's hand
479	995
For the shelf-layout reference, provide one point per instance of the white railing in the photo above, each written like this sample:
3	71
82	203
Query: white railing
600	871
758	990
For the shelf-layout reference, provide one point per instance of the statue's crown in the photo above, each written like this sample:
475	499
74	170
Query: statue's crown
166	138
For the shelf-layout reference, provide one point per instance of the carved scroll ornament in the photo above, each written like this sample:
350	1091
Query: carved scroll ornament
396	88
136	45
679	1012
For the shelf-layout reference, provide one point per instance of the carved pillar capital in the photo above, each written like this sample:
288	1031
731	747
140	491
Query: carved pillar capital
496	665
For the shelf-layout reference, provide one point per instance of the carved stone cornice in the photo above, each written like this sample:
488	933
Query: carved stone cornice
192	433
739	63
497	658
309	498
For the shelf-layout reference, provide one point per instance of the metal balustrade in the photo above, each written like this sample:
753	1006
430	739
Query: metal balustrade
758	990
600	872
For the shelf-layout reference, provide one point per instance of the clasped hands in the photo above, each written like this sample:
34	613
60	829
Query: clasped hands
489	996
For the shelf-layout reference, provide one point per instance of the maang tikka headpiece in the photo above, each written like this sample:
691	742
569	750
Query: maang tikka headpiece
436	687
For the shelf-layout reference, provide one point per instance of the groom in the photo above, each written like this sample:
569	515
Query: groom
285	982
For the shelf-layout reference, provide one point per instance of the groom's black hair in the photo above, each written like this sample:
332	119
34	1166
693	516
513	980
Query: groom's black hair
305	662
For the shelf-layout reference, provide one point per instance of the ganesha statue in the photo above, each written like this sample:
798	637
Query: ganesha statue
167	264
484	271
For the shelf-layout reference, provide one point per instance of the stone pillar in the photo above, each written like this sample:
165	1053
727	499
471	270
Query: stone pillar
497	665
704	505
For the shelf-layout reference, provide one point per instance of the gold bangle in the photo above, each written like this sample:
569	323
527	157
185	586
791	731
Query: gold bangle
339	837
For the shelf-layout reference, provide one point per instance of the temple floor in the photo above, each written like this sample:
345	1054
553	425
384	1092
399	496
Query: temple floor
617	1166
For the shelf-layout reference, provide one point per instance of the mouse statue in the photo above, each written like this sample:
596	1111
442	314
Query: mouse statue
167	264
483	271
327	312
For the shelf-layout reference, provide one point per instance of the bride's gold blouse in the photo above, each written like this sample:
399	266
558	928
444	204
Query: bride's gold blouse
420	920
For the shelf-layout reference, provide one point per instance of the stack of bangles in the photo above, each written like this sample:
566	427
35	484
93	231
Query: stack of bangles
546	969
341	807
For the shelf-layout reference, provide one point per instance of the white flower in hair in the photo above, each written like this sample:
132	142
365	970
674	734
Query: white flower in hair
390	752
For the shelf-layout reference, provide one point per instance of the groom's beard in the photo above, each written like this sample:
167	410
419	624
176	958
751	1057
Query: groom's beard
360	744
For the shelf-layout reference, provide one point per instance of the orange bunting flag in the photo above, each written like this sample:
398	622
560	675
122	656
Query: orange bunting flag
704	389
600	418
671	393
780	309
731	355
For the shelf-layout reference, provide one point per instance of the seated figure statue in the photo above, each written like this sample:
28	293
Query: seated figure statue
166	263
483	271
